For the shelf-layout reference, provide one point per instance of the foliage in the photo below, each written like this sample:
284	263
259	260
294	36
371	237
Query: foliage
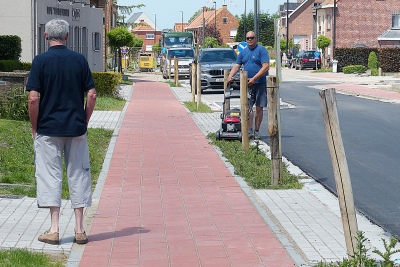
389	251
14	106
372	61
122	12
10	65
156	48
374	72
210	42
389	59
322	43
119	37
266	28
354	56
192	107
354	69
172	84
109	103
253	166
106	82
23	257
16	157
10	47
211	33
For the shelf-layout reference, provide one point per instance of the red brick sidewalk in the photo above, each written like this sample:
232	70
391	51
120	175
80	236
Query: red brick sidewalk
169	200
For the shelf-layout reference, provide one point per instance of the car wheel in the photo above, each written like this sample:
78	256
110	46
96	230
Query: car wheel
218	135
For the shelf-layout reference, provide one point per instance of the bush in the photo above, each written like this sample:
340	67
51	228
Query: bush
374	72
372	61
354	69
15	105
106	82
10	65
26	66
10	47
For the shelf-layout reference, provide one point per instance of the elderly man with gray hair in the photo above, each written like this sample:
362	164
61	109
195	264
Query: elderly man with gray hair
57	84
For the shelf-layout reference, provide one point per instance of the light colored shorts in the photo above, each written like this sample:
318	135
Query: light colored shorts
49	152
258	95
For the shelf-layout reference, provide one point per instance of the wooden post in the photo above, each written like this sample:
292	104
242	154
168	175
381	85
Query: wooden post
169	68
176	71
198	83
273	130
244	107
194	81
340	169
227	101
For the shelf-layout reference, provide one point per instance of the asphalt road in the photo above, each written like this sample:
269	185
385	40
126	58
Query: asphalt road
370	131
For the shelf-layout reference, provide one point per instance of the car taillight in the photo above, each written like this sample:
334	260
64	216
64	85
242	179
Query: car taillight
304	60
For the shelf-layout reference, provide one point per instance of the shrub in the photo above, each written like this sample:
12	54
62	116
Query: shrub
106	82
354	69
15	105
10	47
372	61
10	65
26	66
374	72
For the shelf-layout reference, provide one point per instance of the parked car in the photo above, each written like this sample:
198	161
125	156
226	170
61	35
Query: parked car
213	63
184	55
310	59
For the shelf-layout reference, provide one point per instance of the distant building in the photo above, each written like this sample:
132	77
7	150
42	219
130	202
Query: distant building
223	20
27	18
145	29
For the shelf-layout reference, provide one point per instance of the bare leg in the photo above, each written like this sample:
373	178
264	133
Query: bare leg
55	219
259	117
250	120
79	220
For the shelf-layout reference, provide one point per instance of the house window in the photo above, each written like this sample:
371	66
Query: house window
149	48
96	41
396	20
232	34
149	36
225	20
329	19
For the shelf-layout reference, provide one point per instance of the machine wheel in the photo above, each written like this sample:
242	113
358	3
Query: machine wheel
218	135
240	136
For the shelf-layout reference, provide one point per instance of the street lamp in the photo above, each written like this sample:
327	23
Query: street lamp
182	20
155	27
215	19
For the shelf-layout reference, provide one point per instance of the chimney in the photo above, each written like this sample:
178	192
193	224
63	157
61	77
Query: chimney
225	7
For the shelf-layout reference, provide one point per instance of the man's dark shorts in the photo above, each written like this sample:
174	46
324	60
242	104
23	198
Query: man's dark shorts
258	95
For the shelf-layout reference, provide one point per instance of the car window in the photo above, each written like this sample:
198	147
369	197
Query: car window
181	53
218	56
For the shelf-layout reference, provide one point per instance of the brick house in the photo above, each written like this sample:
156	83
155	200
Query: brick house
146	30
223	20
180	27
365	23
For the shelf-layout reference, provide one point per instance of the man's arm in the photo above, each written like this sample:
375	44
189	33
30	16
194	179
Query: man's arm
33	109
233	71
264	69
90	103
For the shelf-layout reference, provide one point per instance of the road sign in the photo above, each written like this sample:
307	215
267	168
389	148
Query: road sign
317	54
124	50
241	46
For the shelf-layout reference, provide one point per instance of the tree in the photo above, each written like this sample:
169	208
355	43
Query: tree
266	28
122	13
119	37
210	42
322	43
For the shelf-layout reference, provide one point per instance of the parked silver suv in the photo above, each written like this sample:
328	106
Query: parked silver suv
184	55
213	63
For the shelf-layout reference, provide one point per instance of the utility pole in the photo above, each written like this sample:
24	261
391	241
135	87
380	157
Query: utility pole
256	18
287	25
215	19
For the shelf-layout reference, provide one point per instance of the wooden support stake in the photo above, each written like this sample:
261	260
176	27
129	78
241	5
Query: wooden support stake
198	85
273	130
244	109
227	101
169	68
194	81
176	71
340	169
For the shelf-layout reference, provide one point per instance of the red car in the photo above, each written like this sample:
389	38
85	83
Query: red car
307	60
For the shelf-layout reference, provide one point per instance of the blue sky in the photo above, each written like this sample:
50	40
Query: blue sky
168	11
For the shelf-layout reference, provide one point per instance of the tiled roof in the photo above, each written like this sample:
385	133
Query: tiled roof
198	21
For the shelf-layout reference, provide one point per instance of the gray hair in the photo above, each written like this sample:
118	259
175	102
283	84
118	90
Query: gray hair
56	29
